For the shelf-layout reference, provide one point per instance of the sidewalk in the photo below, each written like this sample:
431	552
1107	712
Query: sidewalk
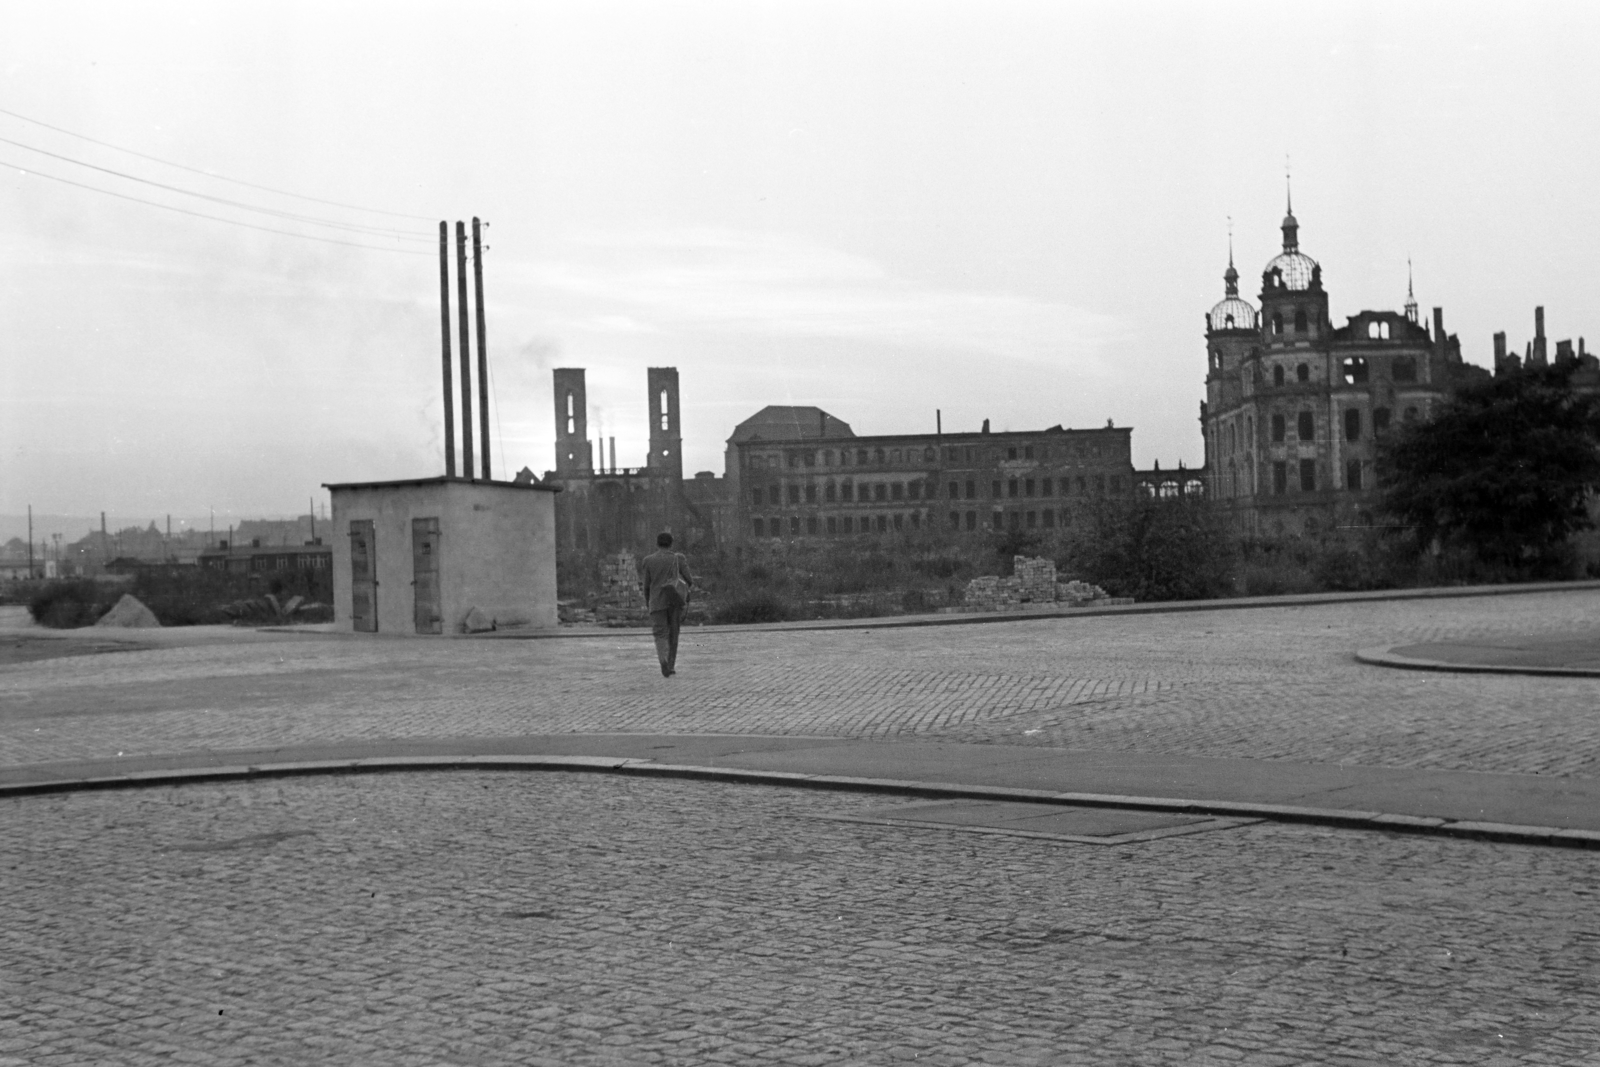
1528	809
1571	655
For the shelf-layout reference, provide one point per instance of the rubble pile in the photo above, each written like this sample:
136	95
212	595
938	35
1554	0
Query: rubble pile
619	581
1032	583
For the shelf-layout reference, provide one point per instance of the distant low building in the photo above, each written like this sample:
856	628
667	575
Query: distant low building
256	558
801	472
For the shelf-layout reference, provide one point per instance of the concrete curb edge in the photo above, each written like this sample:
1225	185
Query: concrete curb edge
1361	820
1385	656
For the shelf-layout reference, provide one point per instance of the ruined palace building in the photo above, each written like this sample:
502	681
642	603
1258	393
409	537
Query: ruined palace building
1293	410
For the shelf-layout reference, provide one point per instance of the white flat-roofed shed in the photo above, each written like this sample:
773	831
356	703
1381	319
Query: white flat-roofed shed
420	556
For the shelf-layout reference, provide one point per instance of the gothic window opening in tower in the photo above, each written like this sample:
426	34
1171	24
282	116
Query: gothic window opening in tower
665	412
572	418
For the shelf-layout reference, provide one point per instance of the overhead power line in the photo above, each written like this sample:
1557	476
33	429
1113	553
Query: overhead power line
209	174
380	231
203	215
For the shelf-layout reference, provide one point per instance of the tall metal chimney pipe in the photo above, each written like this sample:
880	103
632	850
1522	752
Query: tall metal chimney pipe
483	353
444	336
466	351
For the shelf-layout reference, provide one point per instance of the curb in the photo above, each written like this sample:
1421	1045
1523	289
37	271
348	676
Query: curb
1549	836
883	622
1384	656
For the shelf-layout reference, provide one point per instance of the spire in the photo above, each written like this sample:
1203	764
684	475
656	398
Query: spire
1231	277
1291	228
1411	296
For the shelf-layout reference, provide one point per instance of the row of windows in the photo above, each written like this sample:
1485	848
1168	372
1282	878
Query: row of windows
833	525
840	525
862	457
1301	323
1308	476
1353	369
1306	427
847	492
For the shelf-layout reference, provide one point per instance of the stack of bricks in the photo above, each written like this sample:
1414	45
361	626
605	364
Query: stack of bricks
1079	592
619	581
1034	582
1036	578
989	593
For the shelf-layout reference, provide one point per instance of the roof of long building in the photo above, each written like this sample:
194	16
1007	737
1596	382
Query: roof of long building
778	422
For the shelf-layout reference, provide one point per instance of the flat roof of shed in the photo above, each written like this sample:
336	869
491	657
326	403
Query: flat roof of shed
442	480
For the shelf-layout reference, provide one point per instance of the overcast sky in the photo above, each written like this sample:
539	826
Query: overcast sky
1008	211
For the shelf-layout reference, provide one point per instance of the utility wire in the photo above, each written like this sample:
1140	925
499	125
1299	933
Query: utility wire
214	218
378	231
208	174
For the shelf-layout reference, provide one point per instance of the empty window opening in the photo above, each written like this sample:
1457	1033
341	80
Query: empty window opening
666	412
1352	476
1302	373
1380	420
1308	476
1354	370
1306	426
955	490
1352	425
1404	369
972	520
1300	320
1277	429
1277	323
1277	375
572	415
1280	477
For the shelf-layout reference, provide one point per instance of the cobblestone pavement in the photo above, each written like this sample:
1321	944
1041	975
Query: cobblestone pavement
1277	683
475	918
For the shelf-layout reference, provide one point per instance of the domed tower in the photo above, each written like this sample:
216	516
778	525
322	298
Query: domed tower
1294	307
1232	327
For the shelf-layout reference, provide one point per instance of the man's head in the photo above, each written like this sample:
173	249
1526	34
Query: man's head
664	540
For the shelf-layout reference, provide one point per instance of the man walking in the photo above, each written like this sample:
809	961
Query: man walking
666	579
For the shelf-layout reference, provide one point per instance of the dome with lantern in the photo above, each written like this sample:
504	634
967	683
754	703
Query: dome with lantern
1232	313
1292	269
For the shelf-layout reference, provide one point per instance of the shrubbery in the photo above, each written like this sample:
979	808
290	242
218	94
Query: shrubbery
185	596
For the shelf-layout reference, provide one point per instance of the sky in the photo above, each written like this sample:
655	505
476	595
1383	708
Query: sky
1008	211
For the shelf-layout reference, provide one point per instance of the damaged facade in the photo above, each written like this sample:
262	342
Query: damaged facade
1295	406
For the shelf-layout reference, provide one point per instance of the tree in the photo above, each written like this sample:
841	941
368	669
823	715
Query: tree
1505	468
1152	549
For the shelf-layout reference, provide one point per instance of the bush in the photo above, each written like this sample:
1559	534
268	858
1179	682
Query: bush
1150	549
752	607
66	604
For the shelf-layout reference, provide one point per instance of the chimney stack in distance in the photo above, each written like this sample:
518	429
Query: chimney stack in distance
444	330
466	351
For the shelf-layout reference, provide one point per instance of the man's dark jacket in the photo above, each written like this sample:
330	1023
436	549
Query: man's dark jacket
656	572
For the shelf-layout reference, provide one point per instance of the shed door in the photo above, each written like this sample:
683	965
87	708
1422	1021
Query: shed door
425	575
363	576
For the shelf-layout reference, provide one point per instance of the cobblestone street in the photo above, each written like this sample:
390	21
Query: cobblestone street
476	918
515	918
1276	683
